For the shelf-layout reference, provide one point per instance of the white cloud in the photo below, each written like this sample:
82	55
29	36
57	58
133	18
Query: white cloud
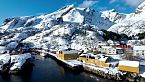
87	3
112	1
134	3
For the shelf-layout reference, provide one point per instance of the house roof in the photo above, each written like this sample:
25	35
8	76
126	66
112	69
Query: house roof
88	54
139	47
70	51
103	59
129	63
106	46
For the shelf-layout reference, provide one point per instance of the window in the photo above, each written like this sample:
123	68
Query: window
92	57
142	52
60	52
83	56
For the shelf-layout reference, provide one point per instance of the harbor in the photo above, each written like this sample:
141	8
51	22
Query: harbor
108	73
99	65
48	70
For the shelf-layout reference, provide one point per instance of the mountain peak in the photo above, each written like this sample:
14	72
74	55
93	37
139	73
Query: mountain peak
67	6
68	14
112	10
113	15
141	8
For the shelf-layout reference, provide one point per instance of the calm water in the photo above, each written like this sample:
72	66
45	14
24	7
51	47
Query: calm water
47	70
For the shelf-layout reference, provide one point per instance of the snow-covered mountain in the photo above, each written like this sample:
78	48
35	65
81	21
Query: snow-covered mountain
68	26
113	15
68	14
130	24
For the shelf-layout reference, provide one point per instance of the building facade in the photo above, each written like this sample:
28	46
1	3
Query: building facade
139	50
67	54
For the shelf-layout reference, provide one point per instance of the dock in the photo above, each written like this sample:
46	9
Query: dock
72	64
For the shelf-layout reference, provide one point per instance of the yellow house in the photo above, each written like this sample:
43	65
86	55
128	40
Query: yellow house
67	54
87	59
103	62
94	59
129	66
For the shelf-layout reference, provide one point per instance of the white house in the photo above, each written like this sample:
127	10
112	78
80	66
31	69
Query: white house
119	51
102	43
134	42
108	50
111	50
139	50
110	42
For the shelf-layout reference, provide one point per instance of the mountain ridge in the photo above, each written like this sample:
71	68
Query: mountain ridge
132	24
69	26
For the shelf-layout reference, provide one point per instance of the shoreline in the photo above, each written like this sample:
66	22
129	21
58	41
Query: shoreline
88	69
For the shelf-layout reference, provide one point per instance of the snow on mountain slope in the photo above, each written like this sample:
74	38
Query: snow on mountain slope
141	8
68	26
133	23
65	36
66	14
113	16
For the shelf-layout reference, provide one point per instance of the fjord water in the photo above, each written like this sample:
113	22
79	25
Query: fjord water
48	70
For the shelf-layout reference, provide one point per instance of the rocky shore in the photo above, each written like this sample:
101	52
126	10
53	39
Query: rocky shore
14	64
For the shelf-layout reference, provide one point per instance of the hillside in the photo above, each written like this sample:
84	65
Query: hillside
69	26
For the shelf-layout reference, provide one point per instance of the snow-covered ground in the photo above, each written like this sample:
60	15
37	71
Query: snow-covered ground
19	60
4	59
69	26
112	71
74	62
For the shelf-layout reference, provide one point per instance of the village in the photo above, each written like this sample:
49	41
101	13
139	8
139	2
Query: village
124	60
111	60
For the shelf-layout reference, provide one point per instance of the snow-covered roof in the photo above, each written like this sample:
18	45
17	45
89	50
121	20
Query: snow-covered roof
88	54
139	47
119	48
106	46
129	63
114	56
110	41
103	59
74	62
70	51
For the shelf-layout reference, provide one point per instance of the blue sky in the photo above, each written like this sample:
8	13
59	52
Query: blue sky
12	8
